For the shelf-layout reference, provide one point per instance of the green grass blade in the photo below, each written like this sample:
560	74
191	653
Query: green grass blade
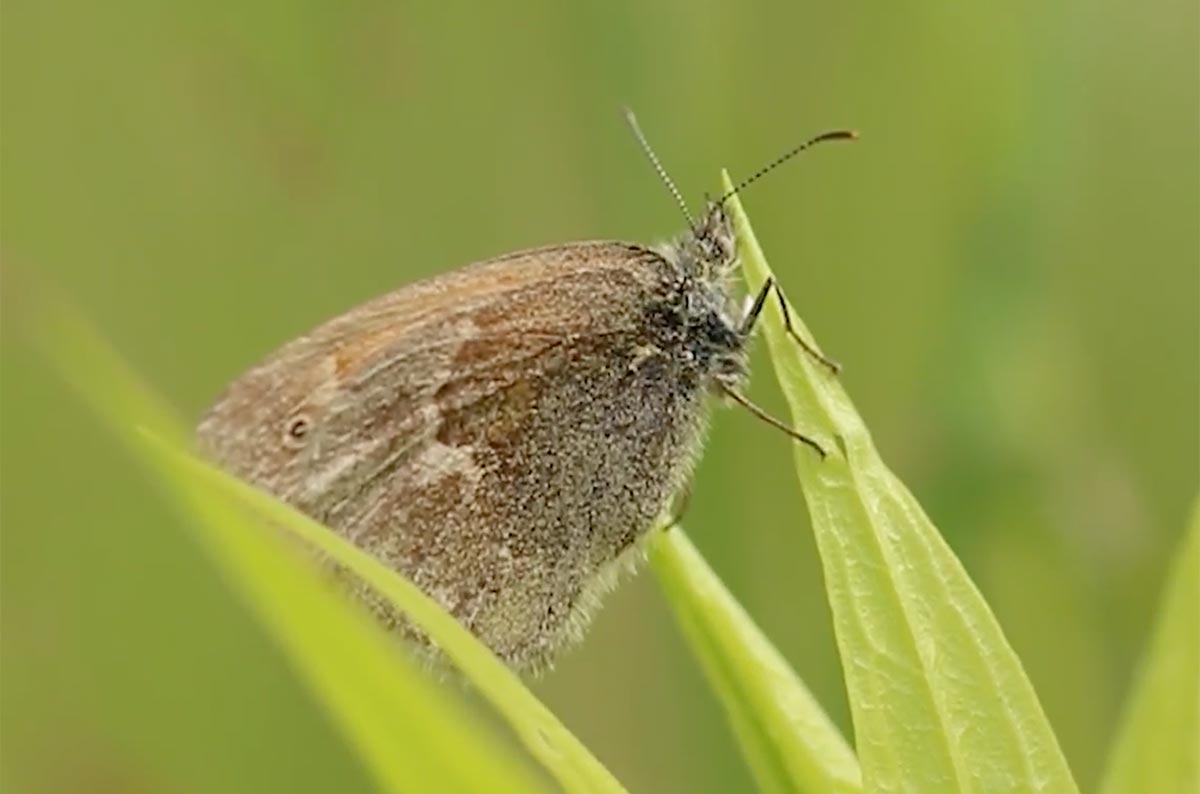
939	699
354	669
575	768
789	742
406	728
1158	745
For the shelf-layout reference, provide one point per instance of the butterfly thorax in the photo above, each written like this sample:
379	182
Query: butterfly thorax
702	317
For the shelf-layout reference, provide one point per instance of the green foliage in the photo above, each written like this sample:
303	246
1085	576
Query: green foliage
788	741
939	699
1158	747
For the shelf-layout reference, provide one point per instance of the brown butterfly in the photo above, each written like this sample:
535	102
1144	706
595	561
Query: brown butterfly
505	434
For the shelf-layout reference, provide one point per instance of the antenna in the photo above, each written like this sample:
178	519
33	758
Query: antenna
658	167
834	135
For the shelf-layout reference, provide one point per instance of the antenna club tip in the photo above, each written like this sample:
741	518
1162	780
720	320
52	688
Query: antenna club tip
839	135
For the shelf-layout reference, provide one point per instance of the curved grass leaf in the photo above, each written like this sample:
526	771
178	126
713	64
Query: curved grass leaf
789	742
1158	746
575	768
412	737
408	730
939	699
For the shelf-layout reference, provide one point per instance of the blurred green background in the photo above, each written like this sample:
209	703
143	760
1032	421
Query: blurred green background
1008	264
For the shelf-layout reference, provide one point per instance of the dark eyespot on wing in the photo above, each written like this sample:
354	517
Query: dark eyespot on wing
298	429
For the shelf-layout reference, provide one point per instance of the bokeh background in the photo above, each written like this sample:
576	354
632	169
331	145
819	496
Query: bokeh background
1007	263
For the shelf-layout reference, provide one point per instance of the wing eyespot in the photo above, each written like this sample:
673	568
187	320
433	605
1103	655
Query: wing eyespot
299	428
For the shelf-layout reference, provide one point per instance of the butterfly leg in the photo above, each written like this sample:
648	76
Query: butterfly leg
756	309
759	413
751	318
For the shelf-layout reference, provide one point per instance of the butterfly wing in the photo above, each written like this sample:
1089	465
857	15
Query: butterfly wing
498	434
